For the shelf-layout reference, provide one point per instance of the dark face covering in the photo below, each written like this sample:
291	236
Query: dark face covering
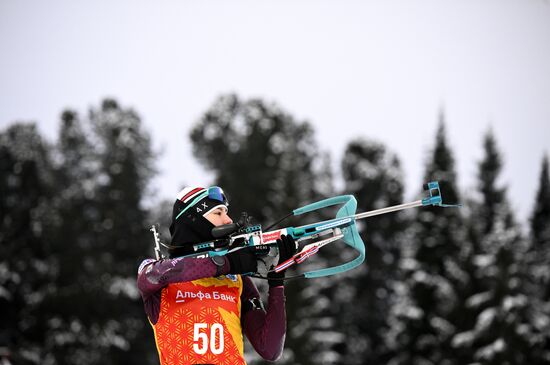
191	227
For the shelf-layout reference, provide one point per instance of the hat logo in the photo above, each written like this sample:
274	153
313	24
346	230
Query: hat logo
204	206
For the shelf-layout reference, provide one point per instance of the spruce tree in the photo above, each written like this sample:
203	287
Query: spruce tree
122	233
74	232
540	257
264	159
493	200
73	330
360	300
540	218
426	312
501	331
27	275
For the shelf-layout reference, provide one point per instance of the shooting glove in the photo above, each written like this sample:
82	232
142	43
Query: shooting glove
287	249
242	261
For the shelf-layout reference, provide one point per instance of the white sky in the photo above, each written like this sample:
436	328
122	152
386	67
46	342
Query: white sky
378	69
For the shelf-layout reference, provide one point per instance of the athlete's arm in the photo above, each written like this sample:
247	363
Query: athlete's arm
153	275
265	329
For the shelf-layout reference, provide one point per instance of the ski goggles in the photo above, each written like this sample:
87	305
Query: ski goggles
213	192
216	193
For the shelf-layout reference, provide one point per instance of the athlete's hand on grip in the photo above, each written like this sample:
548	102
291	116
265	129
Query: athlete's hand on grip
287	248
243	261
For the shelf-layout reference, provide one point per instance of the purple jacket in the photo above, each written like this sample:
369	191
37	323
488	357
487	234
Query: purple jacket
265	329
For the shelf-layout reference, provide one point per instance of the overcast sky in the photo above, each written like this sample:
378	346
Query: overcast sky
378	69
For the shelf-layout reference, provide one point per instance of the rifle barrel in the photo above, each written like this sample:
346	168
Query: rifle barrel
370	213
394	208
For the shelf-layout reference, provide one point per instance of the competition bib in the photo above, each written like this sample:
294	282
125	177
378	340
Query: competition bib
199	322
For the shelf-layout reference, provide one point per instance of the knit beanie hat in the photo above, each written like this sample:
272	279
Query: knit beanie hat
189	225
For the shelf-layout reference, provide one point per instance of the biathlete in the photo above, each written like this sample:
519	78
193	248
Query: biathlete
200	307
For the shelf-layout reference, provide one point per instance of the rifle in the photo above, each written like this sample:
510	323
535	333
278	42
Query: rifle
236	236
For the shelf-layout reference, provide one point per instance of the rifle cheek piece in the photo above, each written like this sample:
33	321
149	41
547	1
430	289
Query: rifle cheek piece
225	230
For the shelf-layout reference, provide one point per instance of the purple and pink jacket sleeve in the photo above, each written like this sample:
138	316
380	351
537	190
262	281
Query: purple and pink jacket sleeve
265	329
